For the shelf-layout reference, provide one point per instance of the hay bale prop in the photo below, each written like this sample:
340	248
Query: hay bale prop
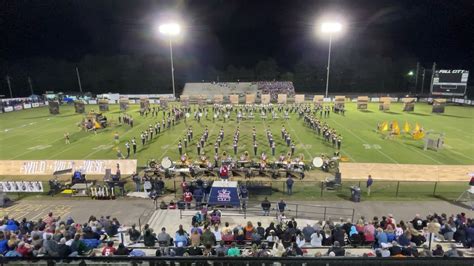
339	102
79	107
438	106
299	98
123	104
265	99
234	99
318	100
250	98
282	98
144	103
53	107
362	102
219	99
384	104
408	104
103	105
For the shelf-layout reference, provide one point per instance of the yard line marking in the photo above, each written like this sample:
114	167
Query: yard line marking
363	141
304	147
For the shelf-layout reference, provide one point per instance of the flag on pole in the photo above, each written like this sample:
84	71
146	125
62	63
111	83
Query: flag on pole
406	127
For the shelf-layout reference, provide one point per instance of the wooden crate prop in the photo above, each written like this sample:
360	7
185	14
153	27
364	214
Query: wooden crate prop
144	103
265	99
282	98
339	102
438	106
123	102
362	102
234	99
299	98
219	99
250	98
408	104
164	103
103	105
184	99
318	100
79	107
384	104
201	100
53	107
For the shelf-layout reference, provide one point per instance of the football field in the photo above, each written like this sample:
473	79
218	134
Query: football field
35	134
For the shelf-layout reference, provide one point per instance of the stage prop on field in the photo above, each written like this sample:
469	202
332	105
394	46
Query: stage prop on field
224	193
201	100
362	102
218	99
282	98
318	100
234	99
384	104
164	103
250	98
265	98
21	186
144	103
184	99
405	172
408	104
123	104
53	107
339	102
103	105
434	140
79	107
438	106
299	98
48	167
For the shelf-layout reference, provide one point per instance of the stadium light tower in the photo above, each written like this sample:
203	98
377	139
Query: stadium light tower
171	30
330	28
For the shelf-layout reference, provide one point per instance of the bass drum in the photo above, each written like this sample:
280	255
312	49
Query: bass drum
166	163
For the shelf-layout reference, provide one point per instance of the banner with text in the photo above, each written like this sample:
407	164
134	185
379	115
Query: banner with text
48	167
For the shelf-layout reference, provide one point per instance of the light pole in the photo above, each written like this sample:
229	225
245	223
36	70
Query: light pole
330	28
170	30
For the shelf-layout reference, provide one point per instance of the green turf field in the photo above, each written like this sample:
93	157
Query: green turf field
35	134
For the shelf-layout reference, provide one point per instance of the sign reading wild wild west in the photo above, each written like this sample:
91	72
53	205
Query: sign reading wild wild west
48	167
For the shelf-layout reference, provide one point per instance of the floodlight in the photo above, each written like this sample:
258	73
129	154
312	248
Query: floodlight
170	29
331	27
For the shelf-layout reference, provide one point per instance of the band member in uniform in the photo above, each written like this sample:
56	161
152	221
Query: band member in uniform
273	148
66	138
127	146
180	148
134	145
292	149
224	172
216	148
198	146
339	142
116	137
255	147
142	136
235	147
185	140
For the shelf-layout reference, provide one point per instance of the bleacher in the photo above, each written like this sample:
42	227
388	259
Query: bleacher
208	89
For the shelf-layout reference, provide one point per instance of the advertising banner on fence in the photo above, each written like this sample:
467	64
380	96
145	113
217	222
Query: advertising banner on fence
48	167
8	109
26	105
34	105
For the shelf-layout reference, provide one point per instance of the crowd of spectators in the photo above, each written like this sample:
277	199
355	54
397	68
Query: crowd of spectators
383	237
276	87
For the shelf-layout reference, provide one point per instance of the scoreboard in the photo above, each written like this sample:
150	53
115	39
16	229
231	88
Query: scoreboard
449	82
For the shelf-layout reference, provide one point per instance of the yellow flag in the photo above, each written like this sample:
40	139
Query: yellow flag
417	127
396	128
385	126
406	127
418	135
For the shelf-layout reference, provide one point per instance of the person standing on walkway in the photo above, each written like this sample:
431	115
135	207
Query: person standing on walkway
289	185
370	181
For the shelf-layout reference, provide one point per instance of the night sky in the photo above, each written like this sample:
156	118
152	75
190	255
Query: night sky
224	32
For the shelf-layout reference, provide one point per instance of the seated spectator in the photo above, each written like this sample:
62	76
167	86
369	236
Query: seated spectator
194	250
395	249
383	251
109	249
272	238
337	249
122	250
181	237
195	238
300	241
134	234
208	251
234	251
3	243
163	205
381	237
13	252
63	249
149	238
217	233
410	251
50	246
316	239
278	249
78	246
426	252
24	249
221	248
163	238
308	231
438	251
453	252
207	237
